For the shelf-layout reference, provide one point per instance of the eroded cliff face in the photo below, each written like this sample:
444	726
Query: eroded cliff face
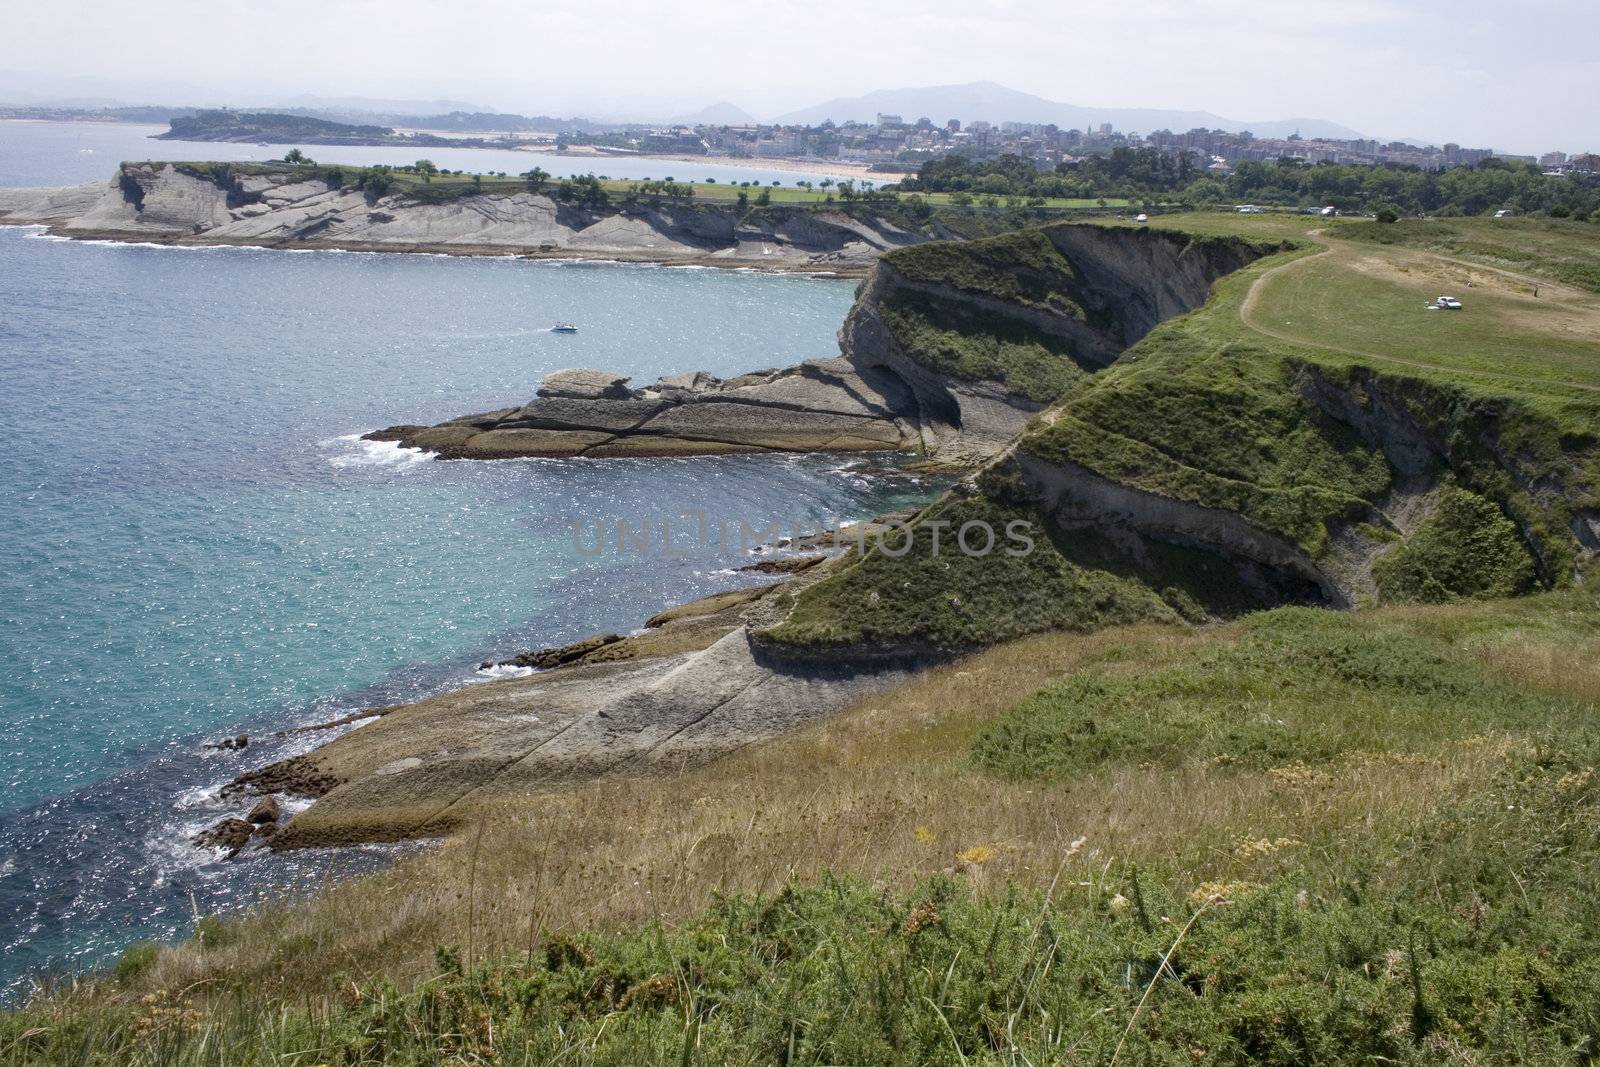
987	334
216	204
945	352
1208	471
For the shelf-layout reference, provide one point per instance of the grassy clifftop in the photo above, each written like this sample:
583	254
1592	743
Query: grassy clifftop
1294	837
1149	839
1312	432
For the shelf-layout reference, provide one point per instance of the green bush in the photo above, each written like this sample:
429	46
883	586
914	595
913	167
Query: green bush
974	344
949	600
136	959
1468	548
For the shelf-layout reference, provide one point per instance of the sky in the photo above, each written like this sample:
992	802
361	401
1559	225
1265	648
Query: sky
1517	77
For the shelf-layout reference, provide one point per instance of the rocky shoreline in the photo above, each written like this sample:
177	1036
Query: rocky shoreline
686	689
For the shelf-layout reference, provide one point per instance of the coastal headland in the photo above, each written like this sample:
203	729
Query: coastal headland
942	774
1054	371
1192	433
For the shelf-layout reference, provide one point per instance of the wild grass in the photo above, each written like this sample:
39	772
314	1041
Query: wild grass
919	590
1409	878
1559	249
976	344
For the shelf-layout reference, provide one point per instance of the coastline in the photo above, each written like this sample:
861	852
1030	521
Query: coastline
685	688
649	258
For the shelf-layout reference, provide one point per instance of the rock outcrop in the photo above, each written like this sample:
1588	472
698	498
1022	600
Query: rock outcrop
823	405
688	689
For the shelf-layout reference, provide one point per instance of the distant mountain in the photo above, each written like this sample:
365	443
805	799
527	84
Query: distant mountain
996	103
719	114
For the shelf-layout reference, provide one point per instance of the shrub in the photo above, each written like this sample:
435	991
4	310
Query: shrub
1468	548
136	959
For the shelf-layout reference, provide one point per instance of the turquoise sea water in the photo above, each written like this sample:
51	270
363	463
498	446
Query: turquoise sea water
193	542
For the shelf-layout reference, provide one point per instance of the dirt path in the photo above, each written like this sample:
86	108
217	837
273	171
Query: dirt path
1248	314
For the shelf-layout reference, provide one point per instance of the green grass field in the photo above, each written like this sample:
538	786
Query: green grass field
1302	838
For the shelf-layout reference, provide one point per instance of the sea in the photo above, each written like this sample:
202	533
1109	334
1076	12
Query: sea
66	153
196	543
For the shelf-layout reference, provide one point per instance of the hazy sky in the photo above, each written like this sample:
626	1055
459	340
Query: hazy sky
1519	77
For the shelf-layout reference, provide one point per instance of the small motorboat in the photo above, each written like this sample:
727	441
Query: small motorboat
563	327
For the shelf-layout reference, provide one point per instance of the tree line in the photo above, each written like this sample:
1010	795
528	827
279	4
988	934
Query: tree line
1150	175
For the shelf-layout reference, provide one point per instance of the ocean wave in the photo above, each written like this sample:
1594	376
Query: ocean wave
352	450
200	796
504	670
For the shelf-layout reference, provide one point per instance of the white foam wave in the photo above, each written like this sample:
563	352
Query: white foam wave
504	670
200	796
352	450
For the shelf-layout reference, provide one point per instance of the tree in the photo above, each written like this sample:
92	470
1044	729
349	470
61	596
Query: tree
537	177
297	157
374	181
1387	213
425	167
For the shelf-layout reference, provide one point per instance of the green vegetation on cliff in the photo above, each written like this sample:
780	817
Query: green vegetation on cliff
1466	548
1252	404
1311	396
976	344
931	595
1023	268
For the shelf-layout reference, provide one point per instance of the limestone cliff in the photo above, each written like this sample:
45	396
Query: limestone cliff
304	208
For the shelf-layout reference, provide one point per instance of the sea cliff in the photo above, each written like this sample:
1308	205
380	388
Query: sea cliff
289	207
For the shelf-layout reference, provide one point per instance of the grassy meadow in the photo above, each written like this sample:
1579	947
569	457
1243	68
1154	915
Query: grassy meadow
1303	837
